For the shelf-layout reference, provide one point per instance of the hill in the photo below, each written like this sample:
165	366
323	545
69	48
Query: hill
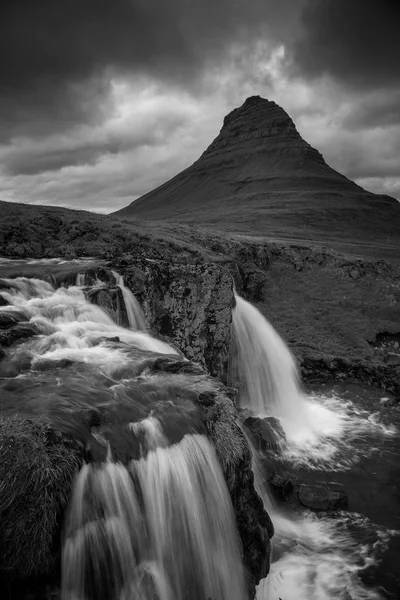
259	177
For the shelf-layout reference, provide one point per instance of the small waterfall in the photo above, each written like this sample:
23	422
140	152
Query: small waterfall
80	279
72	328
267	370
162	528
133	309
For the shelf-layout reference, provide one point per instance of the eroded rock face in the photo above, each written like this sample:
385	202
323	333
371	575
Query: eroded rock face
189	304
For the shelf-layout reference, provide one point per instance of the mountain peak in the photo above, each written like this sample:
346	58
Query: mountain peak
254	124
260	176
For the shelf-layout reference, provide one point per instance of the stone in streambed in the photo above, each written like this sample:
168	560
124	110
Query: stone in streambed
322	498
282	486
18	332
267	433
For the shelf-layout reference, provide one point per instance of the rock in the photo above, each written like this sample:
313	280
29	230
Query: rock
387	402
9	319
322	498
16	333
392	358
281	485
3	301
188	303
172	365
267	433
111	301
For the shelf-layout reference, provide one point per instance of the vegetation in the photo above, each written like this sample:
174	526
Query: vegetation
36	471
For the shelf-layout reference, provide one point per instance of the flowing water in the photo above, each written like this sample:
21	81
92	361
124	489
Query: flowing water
135	314
150	515
339	436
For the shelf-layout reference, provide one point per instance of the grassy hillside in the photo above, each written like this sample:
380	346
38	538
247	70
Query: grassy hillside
323	303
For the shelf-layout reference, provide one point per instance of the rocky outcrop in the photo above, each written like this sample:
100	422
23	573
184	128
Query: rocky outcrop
190	304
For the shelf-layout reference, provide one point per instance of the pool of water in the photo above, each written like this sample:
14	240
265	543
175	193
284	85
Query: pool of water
351	554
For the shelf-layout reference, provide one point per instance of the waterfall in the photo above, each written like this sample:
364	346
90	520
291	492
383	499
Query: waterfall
156	521
162	528
72	328
133	309
313	557
80	279
269	380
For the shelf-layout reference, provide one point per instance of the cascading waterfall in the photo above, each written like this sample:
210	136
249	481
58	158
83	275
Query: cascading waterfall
313	558
133	309
162	528
266	368
159	525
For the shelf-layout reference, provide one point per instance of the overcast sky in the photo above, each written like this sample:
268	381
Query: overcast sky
103	100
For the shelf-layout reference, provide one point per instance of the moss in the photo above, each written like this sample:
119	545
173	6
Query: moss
37	466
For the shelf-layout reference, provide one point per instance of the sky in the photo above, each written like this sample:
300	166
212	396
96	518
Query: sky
101	101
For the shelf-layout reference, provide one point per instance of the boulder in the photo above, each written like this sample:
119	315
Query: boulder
282	486
267	433
321	497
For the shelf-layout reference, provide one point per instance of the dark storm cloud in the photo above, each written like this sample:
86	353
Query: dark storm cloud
355	41
58	152
56	56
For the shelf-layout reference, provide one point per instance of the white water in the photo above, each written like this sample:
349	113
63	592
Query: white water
170	536
314	557
316	428
71	327
133	309
161	527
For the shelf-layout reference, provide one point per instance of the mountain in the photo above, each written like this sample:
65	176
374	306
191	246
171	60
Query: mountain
259	177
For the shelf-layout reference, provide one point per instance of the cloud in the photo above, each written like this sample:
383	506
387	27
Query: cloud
57	58
356	42
147	124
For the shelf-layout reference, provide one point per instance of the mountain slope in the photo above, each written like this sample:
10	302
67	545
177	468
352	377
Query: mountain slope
260	178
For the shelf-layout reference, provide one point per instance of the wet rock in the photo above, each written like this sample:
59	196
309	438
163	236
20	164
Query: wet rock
322	498
392	358
9	319
267	433
16	365
171	365
282	486
386	402
16	333
112	302
3	301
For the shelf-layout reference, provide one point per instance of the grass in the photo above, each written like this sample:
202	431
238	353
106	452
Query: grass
324	311
36	473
